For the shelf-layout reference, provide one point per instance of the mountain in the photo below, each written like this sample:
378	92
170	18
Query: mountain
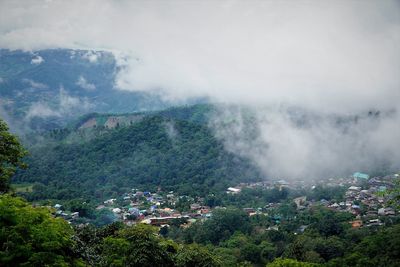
157	151
46	89
199	113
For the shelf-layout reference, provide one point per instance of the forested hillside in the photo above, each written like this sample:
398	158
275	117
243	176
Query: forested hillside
283	236
155	152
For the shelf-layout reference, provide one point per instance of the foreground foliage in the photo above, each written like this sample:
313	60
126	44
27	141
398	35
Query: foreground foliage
31	236
11	153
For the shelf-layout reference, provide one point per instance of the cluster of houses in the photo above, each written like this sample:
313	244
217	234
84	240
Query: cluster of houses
154	208
364	198
67	216
368	198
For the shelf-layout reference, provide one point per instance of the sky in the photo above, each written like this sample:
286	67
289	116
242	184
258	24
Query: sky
326	56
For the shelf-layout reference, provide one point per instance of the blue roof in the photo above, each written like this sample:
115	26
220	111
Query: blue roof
382	188
360	175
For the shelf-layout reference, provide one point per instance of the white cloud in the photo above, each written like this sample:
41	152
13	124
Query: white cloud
63	105
37	60
84	84
34	84
325	55
293	143
328	57
42	110
91	56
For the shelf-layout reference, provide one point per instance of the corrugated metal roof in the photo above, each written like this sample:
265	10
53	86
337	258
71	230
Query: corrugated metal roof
360	175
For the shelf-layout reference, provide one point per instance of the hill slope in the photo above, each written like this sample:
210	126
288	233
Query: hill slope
154	152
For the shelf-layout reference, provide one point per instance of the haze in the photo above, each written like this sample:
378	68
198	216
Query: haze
327	57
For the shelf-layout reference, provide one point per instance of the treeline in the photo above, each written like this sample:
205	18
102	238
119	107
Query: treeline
155	153
32	237
328	239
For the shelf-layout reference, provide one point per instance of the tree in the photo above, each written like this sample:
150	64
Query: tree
11	154
81	206
195	255
137	246
268	251
328	223
32	237
329	248
394	195
279	262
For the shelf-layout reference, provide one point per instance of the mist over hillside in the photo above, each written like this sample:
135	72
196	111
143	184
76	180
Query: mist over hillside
45	89
158	151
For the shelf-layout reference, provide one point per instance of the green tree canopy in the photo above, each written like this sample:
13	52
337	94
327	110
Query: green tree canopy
11	153
279	262
32	237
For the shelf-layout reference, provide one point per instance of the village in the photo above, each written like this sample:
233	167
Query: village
364	197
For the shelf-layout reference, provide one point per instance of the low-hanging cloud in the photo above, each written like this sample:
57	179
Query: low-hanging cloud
84	84
37	60
293	143
62	105
331	58
34	85
91	56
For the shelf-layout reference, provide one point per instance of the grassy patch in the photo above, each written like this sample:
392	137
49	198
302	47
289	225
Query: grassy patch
22	187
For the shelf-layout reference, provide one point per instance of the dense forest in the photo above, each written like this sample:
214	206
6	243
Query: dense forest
157	152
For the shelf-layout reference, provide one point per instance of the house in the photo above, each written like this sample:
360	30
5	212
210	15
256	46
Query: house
249	210
195	206
389	211
204	210
139	194
374	222
273	228
360	176
354	188
116	210
158	221
302	228
281	184
334	205
232	190
356	223
134	211
110	201
300	201
372	213
386	212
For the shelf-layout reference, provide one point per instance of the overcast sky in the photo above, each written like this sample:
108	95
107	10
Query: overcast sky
327	56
